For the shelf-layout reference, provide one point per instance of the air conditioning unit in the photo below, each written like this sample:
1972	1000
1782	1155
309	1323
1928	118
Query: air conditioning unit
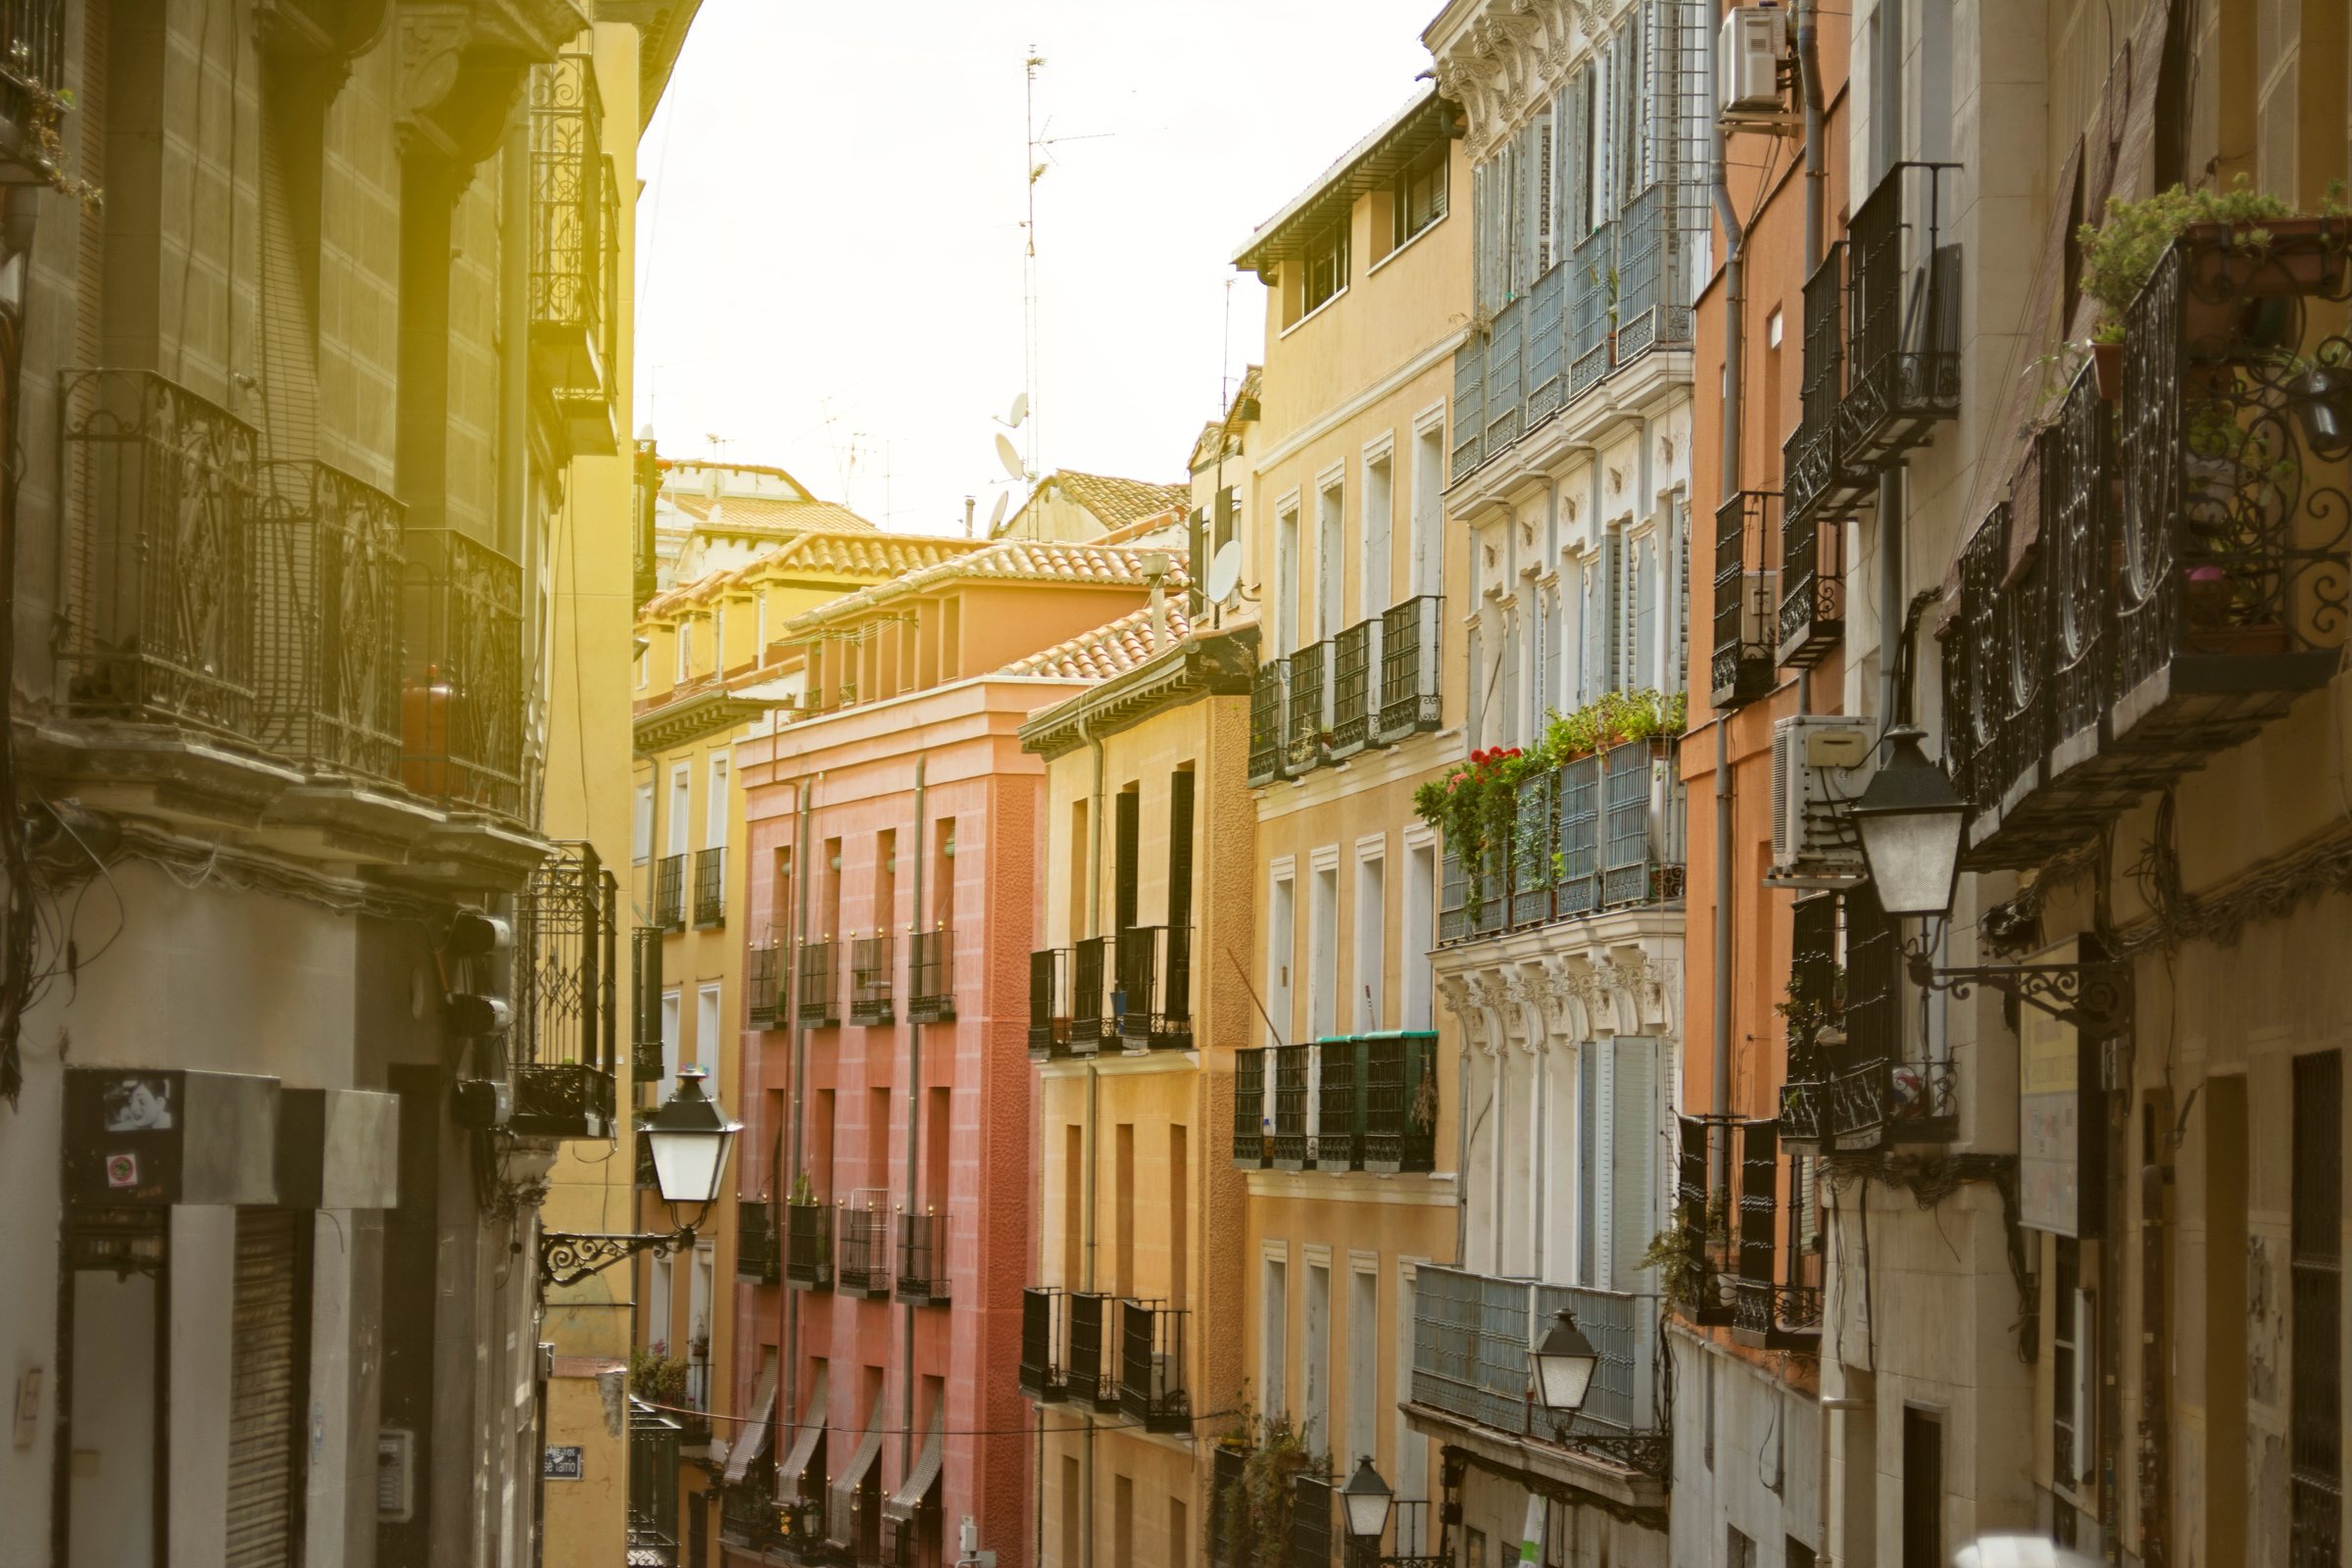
1747	61
1820	761
395	1475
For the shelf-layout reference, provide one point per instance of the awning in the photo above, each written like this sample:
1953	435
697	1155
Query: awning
918	1483
841	1520
812	1428
750	1439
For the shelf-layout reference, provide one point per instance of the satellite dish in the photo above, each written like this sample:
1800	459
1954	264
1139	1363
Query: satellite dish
1010	457
995	516
1020	409
1225	572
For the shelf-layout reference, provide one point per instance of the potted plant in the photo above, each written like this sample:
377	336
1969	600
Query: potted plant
2246	245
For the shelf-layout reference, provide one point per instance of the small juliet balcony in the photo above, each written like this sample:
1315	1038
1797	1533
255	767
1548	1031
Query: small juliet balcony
1855	1082
1092	1375
761	987
1091	1017
1411	637
809	1246
1748	599
1152	999
816	991
1818	484
1045	1343
757	1255
1269	721
1306	736
1361	1102
872	979
1354	686
1253	1132
1048	1003
1152	1383
670	892
564	1039
923	1260
1293	1095
574	241
645	1042
931	977
710	888
1777	1293
1902	318
462	696
861	1256
327	655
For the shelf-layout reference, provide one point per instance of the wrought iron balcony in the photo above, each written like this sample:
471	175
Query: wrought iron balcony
1269	720
1702	1220
645	1034
1152	1385
1252	1138
566	1013
1048	1003
816	992
1151	998
327	646
757	1251
1814	1019
1401	1100
1902	318
1748	599
1045	1340
1653	304
1354	671
1471	1334
1775	1301
1411	637
569	228
1881	1087
1414	1538
1600	832
931	977
746	1511
1591	308
1090	996
463	694
710	887
33	74
1812	617
861	1256
159	575
1093	1374
809	1246
653	1506
923	1260
1469	408
1505	404
670	892
760	984
1541	362
871	980
1293	1091
1338	1067
1308	734
1817	482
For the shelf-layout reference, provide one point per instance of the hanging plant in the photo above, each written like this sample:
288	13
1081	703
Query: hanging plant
656	1376
1476	805
2120	252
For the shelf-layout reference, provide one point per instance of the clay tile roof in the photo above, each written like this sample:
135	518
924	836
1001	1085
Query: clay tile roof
874	555
1011	561
762	514
1109	650
1115	500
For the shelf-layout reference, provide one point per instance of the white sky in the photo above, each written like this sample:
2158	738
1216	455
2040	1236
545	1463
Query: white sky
830	258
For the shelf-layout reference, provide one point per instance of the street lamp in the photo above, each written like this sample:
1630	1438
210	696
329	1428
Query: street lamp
1563	1363
690	1138
1910	820
1367	1499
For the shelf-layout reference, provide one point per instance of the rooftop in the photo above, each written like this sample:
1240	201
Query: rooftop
1096	566
1111	649
1425	118
822	553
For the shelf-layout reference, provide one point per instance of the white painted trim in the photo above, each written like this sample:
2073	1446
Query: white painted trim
1332	477
1360	1261
1324	857
1274	1250
1419	835
1383	445
1315	1255
1283	868
1306	435
1432	414
1312	314
1372	847
1414	238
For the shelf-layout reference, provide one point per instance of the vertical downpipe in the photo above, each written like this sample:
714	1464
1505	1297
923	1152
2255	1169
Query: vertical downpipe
1094	1084
1734	281
789	1374
914	1133
1817	181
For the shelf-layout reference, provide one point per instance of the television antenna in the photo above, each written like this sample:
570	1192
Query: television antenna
1040	157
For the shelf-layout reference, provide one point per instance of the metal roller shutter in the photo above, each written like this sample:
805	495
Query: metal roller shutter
263	1391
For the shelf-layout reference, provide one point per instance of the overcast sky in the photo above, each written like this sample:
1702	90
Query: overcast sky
829	269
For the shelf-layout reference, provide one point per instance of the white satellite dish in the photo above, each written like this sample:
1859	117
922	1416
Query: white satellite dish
1225	572
995	516
1010	457
1020	409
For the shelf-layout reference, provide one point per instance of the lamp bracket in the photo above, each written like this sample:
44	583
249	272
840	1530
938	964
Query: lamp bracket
566	1258
2095	997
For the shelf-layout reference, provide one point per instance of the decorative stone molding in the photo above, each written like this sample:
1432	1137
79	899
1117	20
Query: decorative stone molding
462	66
1512	55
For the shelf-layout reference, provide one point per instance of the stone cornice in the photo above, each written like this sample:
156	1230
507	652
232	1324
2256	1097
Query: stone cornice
1510	54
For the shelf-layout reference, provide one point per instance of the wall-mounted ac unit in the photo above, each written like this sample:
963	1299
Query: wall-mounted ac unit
1820	761
395	1475
1748	56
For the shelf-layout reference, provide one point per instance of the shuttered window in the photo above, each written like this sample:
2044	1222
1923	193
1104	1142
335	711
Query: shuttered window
1634	1107
265	1393
1588	1160
1127	846
1180	848
1645	612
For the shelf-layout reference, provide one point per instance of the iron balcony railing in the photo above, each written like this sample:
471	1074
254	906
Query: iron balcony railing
670	892
1253	1131
1593	281
1294	1098
1337	1067
762	990
1746	599
653	1506
1654	301
1883	1087
1777	1294
1048	1003
1355	692
871	962
1399	1069
1818	483
645	1034
694	1422
1045	1343
923	1258
808	1245
1151	998
327	551
1471	1338
1269	720
710	887
861	1250
1414	1538
1312	1505
1902	318
463	692
1093	1374
1469	408
1411	637
1542	360
159	575
757	1249
1604	831
1308	735
931	977
569	228
816	990
1506	402
1090	996
565	1037
1152	1383
32	75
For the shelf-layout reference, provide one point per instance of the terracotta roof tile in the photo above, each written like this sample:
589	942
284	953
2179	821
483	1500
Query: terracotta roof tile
1109	650
761	513
1115	500
876	556
1011	561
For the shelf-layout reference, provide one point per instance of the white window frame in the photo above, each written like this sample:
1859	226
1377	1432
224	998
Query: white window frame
1418	993
1331	552
1273	1328
1287	584
1427	563
673	1015
1369	979
1376	522
1282	950
1323	946
682	807
710	1020
640	823
716	803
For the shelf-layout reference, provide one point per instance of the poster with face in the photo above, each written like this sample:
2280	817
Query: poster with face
124	1131
137	1104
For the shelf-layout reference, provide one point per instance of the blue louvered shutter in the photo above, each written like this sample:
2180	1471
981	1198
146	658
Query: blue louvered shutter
1587	1160
1645	613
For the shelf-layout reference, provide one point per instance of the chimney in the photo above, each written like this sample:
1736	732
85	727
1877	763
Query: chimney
1155	573
967	517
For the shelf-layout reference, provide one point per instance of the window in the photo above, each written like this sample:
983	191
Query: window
1420	936
1429	481
683	640
680	786
718	637
715	805
672	1005
1738	1550
638	665
1363	1360
1420	194
1323	955
640	823
1370	985
1923	1490
1273	1375
760	624
1413	1448
1619	1100
1326	265
1377	522
1281	937
706	1029
2316	1290
1285	578
1330	561
659	1290
1314	1421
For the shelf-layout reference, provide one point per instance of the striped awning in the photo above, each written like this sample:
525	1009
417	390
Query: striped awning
910	1496
841	1498
810	1430
750	1439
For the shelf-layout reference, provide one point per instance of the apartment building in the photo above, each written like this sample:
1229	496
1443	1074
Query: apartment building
303	408
1344	1088
876	1377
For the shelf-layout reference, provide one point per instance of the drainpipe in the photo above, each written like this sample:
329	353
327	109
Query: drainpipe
790	1372
1894	701
1734	291
1093	1084
914	1135
1816	186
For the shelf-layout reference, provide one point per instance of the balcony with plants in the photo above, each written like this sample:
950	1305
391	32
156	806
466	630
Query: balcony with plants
1362	1102
1372	685
2169	571
565	1030
1587	821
